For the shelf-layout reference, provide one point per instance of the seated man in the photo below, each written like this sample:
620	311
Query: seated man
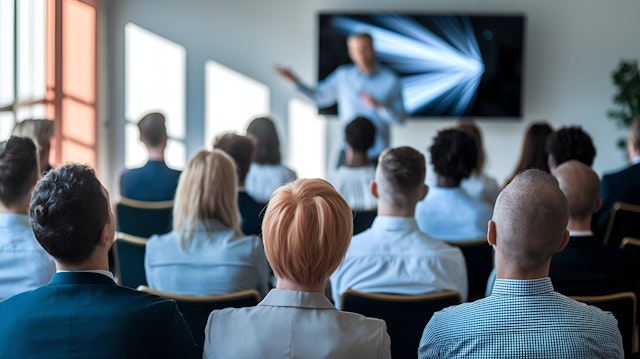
393	256
586	266
570	143
524	317
82	312
24	265
448	212
154	181
240	148
353	179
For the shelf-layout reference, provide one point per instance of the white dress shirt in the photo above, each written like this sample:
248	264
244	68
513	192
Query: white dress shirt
354	185
291	324
393	256
24	264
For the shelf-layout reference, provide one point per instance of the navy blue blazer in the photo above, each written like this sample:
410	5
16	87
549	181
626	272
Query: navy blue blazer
86	315
621	186
152	182
251	212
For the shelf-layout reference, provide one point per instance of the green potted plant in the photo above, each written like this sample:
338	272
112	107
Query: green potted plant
626	78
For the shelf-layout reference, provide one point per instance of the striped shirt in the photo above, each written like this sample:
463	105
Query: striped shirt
522	319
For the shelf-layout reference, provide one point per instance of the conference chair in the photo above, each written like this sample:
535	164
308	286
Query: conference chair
623	222
623	307
478	256
196	309
405	315
362	220
142	218
631	245
129	259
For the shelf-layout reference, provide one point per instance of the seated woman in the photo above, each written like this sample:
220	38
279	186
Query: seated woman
306	229
206	253
534	149
266	172
448	212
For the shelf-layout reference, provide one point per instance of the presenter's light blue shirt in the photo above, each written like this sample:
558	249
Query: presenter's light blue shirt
24	264
522	319
393	256
345	86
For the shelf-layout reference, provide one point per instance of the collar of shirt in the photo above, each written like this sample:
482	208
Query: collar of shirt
13	219
393	222
522	287
586	233
98	271
292	298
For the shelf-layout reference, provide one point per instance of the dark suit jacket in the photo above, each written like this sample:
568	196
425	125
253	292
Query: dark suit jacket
152	182
621	186
251	213
86	315
587	267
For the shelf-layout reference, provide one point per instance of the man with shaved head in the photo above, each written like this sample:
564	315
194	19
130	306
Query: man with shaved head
524	317
586	266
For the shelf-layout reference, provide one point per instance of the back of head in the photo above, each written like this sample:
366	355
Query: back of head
206	190
534	148
634	134
268	147
68	210
454	154
18	170
307	229
571	143
530	216
240	148
153	131
581	186
400	176
472	129
360	134
40	131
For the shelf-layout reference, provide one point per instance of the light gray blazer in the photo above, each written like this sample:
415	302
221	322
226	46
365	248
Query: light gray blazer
290	324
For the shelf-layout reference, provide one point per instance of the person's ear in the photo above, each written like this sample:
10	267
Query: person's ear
105	236
423	192
565	241
491	233
598	205
374	189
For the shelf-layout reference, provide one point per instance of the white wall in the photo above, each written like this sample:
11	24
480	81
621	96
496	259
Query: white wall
571	48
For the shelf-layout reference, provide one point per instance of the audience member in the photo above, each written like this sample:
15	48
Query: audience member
570	143
307	228
478	185
524	317
24	265
240	148
353	179
82	312
41	132
586	266
394	256
206	253
534	149
266	172
154	181
623	185
448	212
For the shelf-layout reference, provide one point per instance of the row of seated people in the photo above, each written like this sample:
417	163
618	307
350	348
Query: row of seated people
307	230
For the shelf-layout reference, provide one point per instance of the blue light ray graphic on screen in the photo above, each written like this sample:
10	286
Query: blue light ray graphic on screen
441	68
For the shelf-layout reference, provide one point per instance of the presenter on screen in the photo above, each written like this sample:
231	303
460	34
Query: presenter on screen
364	88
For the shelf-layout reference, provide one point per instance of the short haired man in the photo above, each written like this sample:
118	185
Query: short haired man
24	265
586	266
524	316
570	143
394	256
82	312
623	185
154	181
241	148
352	179
364	88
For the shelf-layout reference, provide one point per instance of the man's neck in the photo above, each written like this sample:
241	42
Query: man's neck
390	211
579	225
156	154
19	208
355	158
447	182
506	270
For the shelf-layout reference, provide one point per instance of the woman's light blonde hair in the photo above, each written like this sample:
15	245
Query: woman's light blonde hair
206	190
307	229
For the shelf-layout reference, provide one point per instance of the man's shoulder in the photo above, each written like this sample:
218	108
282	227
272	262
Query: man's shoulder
626	173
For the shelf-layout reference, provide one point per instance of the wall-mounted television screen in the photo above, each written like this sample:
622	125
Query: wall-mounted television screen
449	65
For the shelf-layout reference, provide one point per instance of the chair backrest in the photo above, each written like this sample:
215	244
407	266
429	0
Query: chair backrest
631	245
624	221
196	310
623	306
405	315
362	220
129	259
478	256
142	219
